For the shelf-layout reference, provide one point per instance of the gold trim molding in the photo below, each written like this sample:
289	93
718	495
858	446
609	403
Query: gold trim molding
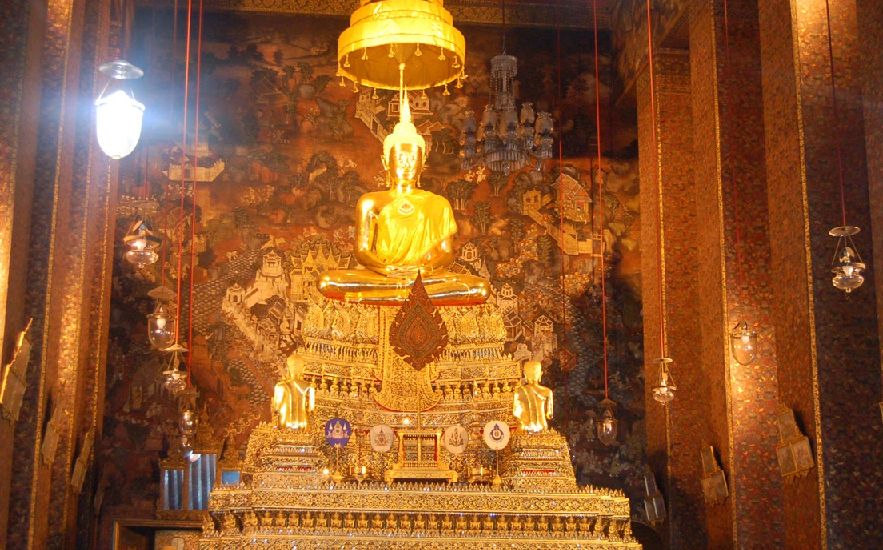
522	14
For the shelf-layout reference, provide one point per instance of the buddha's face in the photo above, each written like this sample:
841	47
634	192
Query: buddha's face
405	163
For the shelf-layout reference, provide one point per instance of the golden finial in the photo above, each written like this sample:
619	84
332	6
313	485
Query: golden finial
404	131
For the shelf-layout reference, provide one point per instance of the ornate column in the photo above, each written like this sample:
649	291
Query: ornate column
22	26
674	433
59	275
827	343
734	268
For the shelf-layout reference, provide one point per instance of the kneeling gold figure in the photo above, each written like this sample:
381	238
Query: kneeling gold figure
402	231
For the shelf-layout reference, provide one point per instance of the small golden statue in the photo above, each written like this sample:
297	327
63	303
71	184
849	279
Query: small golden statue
293	398
532	402
402	231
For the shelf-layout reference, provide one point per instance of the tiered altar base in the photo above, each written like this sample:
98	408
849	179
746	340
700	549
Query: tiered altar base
414	515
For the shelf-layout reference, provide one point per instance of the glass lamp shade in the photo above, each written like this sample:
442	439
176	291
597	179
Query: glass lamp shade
607	427
847	265
664	391
174	377
188	426
118	117
161	328
141	245
743	343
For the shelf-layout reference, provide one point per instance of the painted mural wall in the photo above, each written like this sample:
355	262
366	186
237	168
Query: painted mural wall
285	152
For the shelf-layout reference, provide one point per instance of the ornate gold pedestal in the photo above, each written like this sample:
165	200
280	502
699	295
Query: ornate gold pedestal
410	497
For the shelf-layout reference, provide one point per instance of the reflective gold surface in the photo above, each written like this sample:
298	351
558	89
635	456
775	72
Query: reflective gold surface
532	402
419	33
402	231
293	398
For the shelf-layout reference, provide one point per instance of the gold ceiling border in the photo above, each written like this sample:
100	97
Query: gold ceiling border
528	14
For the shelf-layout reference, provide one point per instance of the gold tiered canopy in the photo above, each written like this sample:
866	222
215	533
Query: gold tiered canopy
419	33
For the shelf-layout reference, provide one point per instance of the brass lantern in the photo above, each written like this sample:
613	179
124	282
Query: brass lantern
664	391
387	33
608	425
847	265
743	343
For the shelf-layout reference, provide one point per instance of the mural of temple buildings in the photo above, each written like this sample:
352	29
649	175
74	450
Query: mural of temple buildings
708	203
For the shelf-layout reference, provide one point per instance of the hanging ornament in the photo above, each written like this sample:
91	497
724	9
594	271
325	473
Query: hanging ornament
141	245
118	115
175	377
664	391
607	427
188	425
391	32
161	327
847	265
743	343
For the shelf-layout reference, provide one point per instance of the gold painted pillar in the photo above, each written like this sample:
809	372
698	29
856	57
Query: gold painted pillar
58	273
827	343
870	37
674	433
22	26
733	269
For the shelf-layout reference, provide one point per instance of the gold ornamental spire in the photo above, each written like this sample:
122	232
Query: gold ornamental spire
387	33
404	131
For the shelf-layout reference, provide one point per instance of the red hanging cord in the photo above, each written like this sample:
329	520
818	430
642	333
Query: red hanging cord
193	193
183	172
660	273
560	191
837	141
600	197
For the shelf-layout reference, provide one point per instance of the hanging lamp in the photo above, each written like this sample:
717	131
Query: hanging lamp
664	390
384	34
141	245
847	264
743	343
608	425
118	115
175	377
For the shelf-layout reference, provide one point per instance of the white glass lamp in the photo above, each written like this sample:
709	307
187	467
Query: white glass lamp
664	391
118	115
608	425
743	342
847	265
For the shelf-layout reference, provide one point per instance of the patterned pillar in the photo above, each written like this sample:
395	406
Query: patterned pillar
734	268
63	267
870	37
827	343
674	434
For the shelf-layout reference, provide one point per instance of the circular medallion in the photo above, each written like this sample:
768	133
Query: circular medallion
455	439
381	438
496	435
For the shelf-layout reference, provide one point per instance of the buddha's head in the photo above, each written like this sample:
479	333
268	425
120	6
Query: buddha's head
533	371
404	150
294	366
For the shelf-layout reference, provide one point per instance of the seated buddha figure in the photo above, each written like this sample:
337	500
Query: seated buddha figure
293	398
402	231
532	403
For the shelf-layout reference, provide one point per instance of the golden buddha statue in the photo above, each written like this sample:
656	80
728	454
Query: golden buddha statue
293	398
402	231
532	403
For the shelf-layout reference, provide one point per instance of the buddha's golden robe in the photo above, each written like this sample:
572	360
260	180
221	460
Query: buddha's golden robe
410	226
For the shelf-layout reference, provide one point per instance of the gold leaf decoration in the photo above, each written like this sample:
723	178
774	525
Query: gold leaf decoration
418	331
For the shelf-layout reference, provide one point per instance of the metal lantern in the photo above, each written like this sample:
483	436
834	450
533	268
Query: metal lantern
118	115
664	391
847	265
743	343
174	377
141	245
607	427
161	327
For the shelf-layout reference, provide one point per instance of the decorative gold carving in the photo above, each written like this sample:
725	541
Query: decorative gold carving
419	454
14	381
418	331
793	450
714	482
